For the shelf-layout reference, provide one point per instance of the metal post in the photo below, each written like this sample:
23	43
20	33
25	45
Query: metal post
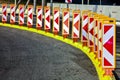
51	3
100	2
15	2
88	2
82	2
34	3
43	4
67	5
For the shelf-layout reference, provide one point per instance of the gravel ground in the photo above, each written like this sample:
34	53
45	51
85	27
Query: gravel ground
29	56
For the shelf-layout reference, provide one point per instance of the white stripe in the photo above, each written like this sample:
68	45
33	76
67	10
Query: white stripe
66	17
108	35
22	10
39	22
21	19
90	37
12	9
85	22
95	30
76	31
30	11
30	20
47	23
56	15
13	18
5	17
65	28
84	33
99	33
56	26
4	9
96	41
40	12
76	19
91	26
47	14
108	56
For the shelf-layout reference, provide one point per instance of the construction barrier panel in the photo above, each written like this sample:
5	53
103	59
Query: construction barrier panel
30	16
56	20
21	15
96	18
84	29
65	22
100	38
91	26
100	31
39	12
109	52
12	13
76	25
47	19
4	13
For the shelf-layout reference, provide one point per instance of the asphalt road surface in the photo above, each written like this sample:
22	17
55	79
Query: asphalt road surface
29	56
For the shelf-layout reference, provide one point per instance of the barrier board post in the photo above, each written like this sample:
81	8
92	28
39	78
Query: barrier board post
30	16
4	13
12	13
21	15
47	19
76	25
109	45
65	22
56	20
39	17
84	29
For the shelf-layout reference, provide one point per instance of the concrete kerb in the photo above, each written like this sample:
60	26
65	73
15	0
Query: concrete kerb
78	45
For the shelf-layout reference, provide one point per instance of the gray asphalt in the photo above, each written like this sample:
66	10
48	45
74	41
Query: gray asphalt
29	56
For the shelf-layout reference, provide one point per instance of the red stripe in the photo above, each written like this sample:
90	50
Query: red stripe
86	27
107	63
109	45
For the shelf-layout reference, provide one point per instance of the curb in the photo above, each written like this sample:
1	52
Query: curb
78	45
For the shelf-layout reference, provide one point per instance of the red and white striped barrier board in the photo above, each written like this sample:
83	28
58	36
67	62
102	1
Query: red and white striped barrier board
4	13
39	17
12	13
30	16
91	32
100	38
84	29
68	1
56	20
21	14
65	22
109	33
76	25
96	35
47	26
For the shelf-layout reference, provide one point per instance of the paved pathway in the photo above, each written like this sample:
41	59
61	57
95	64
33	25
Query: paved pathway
29	56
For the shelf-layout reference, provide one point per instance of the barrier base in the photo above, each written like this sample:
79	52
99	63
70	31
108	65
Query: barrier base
84	43
47	30
75	39
29	26
109	72
65	36
55	33
38	28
